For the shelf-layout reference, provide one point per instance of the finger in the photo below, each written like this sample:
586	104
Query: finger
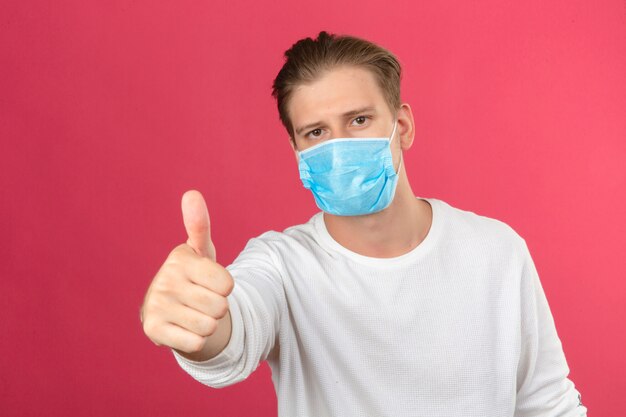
197	224
191	320
204	301
211	276
181	339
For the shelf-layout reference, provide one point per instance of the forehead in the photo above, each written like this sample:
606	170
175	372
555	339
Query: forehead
337	91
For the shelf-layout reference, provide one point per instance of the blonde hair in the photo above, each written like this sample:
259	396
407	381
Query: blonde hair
309	58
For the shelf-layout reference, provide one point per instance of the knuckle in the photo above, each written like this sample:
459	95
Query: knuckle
169	280
150	328
221	307
212	326
173	270
160	306
207	326
163	286
229	284
198	325
195	344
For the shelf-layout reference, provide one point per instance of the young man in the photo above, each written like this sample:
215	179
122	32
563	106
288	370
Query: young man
383	304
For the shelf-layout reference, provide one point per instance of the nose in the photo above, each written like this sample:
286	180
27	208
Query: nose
339	132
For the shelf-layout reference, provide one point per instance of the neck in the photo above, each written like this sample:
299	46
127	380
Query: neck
389	233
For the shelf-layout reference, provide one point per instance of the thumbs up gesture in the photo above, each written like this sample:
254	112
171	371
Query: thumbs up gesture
185	307
197	224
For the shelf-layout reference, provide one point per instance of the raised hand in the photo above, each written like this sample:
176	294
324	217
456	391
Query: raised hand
185	306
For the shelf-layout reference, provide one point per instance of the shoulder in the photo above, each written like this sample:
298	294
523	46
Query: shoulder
287	240
270	250
463	224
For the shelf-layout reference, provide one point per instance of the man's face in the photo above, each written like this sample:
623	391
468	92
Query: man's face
345	102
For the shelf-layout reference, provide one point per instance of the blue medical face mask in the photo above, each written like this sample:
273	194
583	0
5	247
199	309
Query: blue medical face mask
350	176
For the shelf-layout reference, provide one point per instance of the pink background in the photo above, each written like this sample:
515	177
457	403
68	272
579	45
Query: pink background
110	110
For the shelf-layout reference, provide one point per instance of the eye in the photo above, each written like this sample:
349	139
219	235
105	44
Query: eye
315	133
360	121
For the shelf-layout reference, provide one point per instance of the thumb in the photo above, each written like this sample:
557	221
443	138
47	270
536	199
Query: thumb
197	224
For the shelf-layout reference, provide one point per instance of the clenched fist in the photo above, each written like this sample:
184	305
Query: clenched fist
185	306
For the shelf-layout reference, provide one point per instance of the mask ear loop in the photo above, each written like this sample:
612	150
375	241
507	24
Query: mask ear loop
393	135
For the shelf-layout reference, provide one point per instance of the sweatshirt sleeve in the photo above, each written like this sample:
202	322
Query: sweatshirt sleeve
255	306
543	388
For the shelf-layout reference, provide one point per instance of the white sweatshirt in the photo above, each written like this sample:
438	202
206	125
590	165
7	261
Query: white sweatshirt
457	327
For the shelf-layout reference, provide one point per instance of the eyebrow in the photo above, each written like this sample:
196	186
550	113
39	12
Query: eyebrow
350	113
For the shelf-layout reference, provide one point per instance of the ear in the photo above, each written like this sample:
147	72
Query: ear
294	146
406	126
